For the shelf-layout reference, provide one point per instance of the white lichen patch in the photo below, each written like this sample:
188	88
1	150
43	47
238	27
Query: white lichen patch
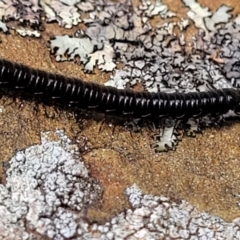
45	184
23	11
167	138
103	58
156	8
157	217
221	13
64	12
67	48
151	55
27	32
204	18
3	27
48	191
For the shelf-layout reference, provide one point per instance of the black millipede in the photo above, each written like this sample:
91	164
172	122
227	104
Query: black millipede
76	93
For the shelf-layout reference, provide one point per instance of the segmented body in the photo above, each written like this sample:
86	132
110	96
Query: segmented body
77	93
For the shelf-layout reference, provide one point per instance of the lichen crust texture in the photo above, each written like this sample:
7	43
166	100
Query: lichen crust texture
48	189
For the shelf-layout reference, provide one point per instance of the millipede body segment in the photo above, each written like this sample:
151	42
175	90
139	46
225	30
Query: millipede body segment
77	93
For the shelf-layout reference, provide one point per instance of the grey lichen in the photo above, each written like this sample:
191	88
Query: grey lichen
204	18
23	11
64	12
68	48
45	184
156	8
26	32
48	189
157	217
3	27
150	217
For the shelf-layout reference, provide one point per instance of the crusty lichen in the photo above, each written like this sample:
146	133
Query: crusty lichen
45	183
157	217
154	56
48	191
